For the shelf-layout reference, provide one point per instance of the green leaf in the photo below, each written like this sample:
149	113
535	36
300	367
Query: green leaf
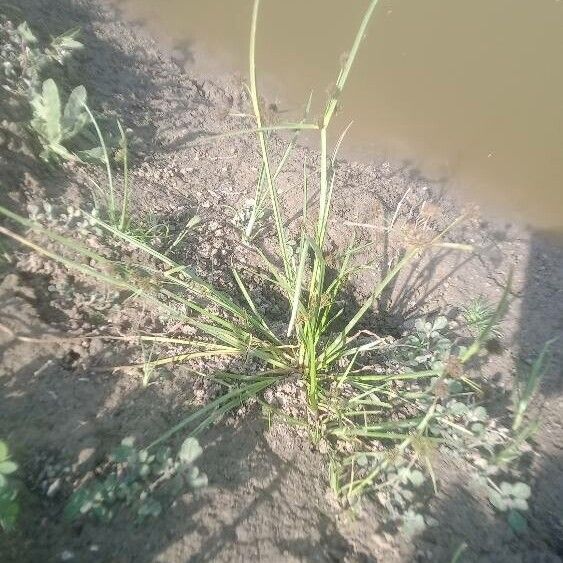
26	34
79	503
8	467
519	504
9	509
521	490
47	110
3	451
498	501
416	477
150	507
190	450
75	117
517	522
95	155
440	323
506	488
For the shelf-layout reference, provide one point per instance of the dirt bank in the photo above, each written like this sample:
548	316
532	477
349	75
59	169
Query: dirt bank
267	499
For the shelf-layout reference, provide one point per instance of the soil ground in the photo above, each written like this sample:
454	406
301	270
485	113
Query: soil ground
267	499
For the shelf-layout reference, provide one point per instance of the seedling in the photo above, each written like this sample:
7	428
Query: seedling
54	126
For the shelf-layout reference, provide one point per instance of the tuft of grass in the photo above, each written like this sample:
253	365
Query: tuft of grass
382	422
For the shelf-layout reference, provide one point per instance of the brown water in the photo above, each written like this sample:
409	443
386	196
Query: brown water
470	91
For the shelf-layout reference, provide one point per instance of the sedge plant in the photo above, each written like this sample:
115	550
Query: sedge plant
347	400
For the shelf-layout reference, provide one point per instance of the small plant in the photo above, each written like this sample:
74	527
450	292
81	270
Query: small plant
9	505
26	58
478	313
427	346
137	478
381	420
54	126
527	387
511	496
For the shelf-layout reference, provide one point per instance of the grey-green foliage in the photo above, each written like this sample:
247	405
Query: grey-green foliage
511	496
55	125
9	506
27	58
140	480
428	345
478	314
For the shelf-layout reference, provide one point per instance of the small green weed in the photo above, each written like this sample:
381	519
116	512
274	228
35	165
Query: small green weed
55	126
477	315
9	505
139	479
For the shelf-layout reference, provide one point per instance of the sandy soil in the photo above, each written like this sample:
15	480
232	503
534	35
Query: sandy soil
267	499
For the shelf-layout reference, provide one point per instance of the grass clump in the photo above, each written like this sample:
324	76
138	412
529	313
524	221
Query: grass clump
382	411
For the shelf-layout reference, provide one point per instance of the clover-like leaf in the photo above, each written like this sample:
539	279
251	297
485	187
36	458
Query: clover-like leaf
440	323
506	488
190	450
517	522
8	467
416	477
521	490
498	501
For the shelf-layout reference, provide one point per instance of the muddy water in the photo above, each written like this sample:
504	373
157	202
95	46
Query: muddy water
468	92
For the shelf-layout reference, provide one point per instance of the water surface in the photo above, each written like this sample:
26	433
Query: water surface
468	91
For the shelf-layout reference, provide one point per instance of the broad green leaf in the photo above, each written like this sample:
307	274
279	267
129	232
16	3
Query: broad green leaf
61	151
48	110
506	488
517	522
